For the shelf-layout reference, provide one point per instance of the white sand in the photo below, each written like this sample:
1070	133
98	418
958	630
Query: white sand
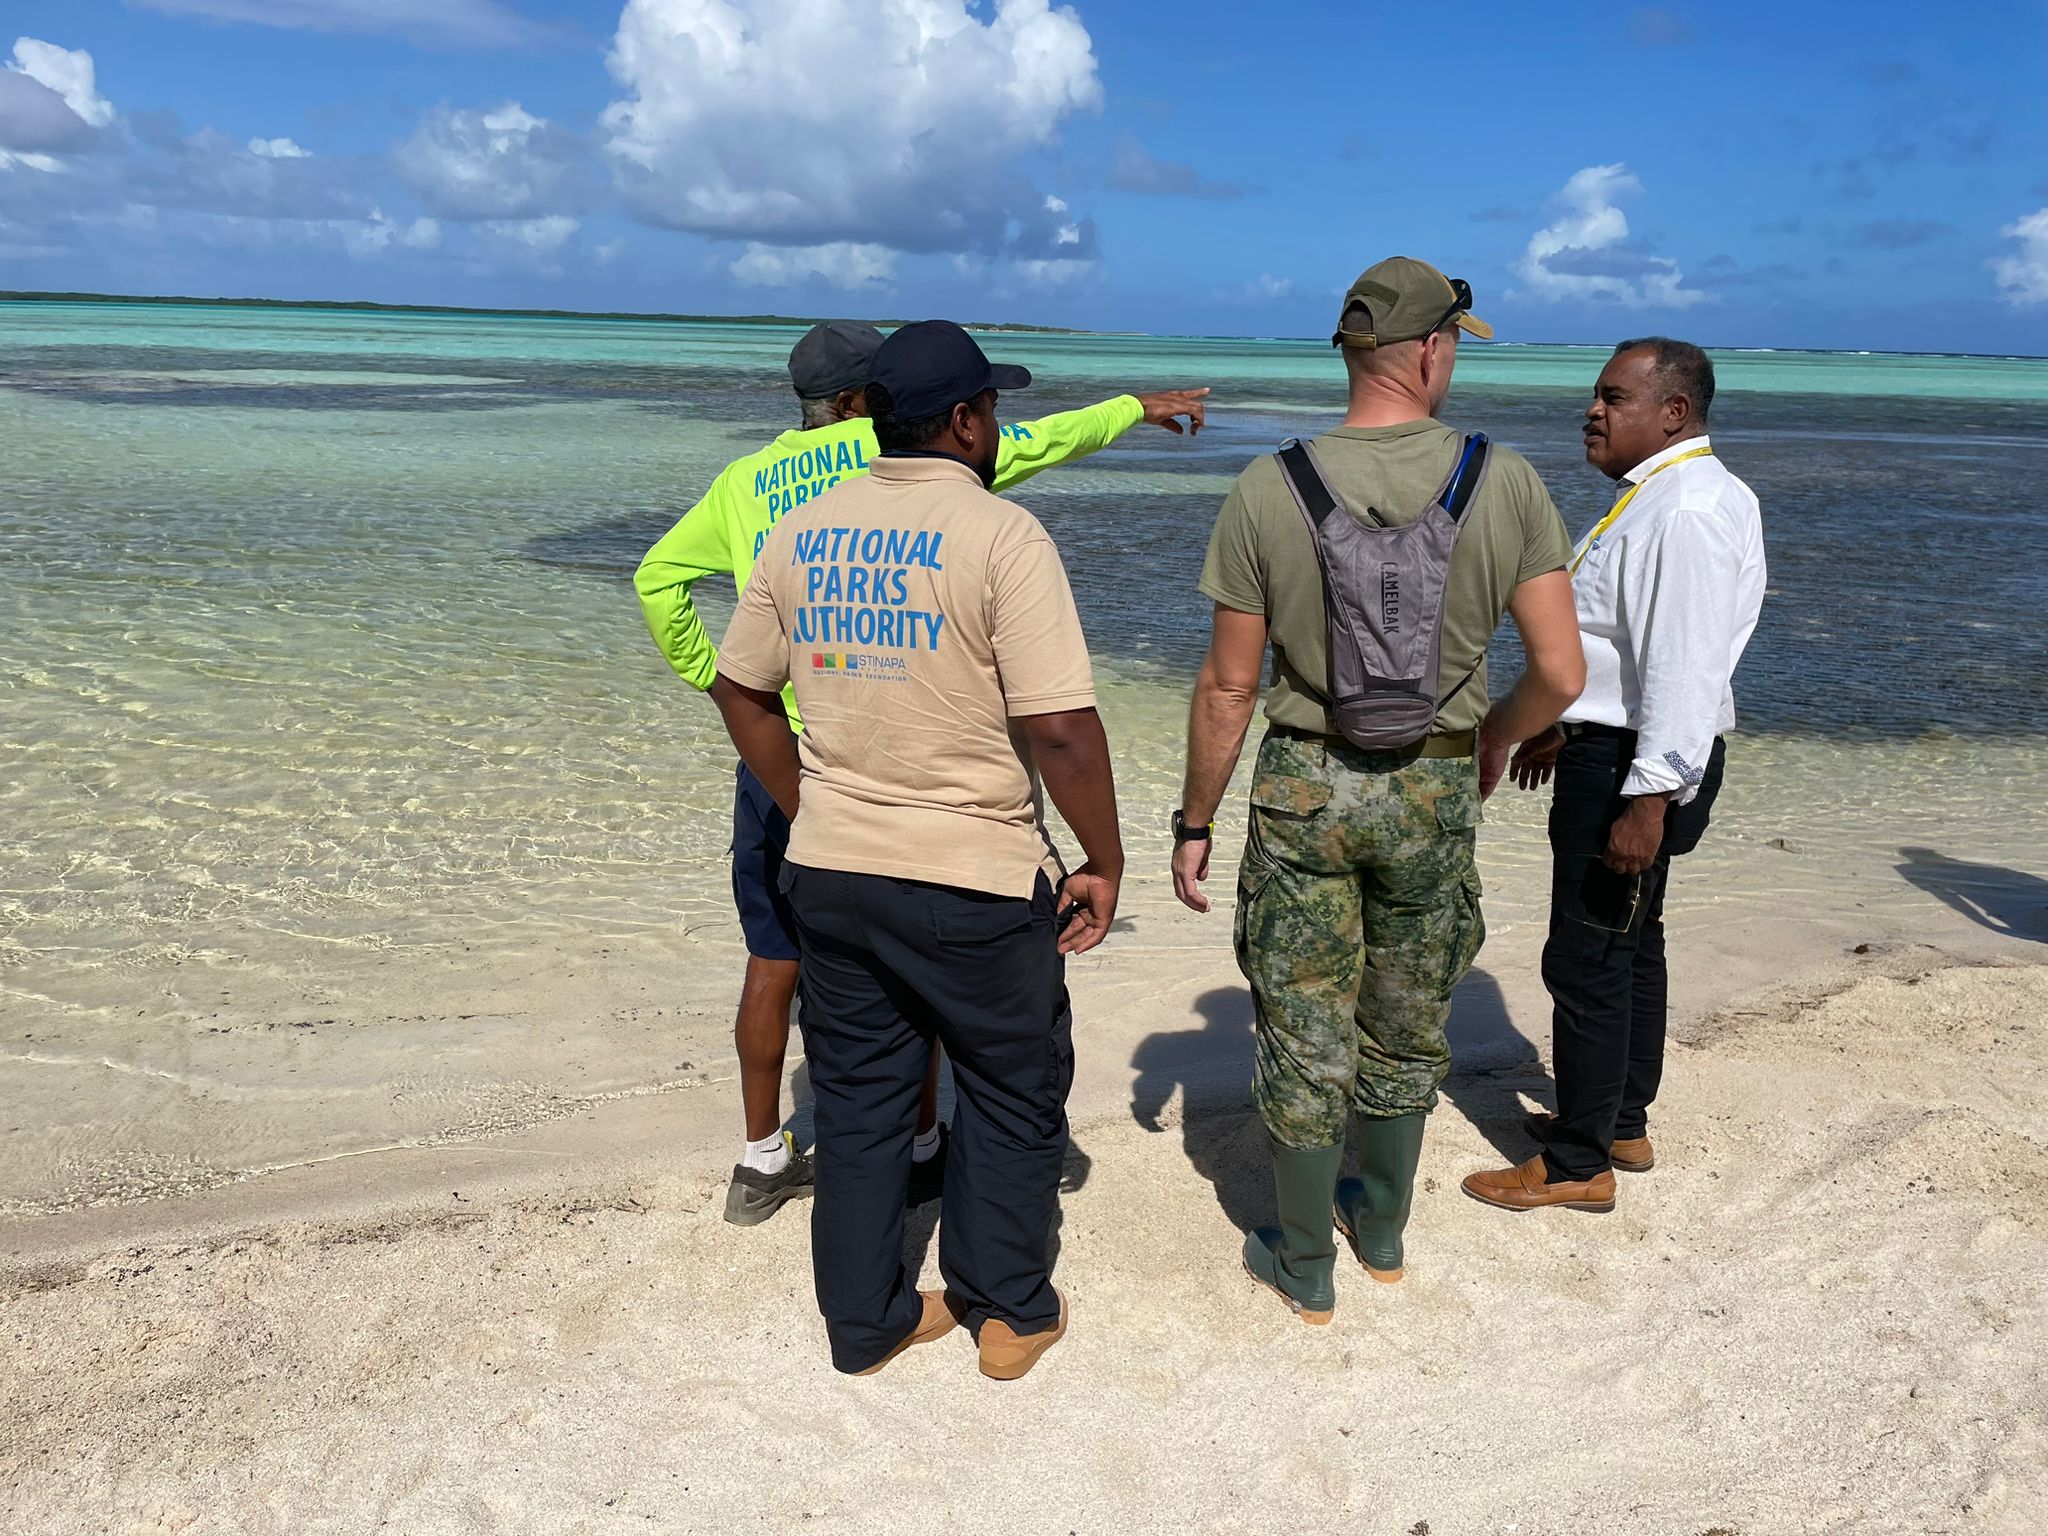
1822	1312
183	1009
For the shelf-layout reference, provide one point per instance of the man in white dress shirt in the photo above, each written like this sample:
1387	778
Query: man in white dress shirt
1668	586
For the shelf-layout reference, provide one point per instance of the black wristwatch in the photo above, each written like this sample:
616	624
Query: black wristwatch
1183	833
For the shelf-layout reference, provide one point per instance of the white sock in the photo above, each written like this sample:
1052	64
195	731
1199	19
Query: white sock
926	1147
768	1155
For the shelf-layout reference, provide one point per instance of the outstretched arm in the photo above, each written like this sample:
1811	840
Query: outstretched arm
1026	447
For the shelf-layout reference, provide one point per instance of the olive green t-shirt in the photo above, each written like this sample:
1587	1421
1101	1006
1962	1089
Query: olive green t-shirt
1262	560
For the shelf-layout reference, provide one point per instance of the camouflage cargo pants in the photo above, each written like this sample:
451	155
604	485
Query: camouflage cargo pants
1357	913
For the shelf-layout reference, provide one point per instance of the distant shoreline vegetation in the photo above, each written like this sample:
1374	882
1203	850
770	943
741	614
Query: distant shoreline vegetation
367	305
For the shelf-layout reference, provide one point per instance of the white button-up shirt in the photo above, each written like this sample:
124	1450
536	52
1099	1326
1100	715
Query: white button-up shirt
1668	597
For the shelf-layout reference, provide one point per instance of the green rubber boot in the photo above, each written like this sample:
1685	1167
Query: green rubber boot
1372	1210
1298	1259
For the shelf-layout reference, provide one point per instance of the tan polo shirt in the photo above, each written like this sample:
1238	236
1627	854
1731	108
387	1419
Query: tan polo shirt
918	617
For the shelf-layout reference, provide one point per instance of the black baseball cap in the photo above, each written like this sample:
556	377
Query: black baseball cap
834	356
932	365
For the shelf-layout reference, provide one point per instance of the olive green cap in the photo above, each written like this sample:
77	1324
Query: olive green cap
1402	299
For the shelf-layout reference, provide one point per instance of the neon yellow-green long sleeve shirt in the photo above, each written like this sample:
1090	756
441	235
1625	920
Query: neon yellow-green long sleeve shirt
723	533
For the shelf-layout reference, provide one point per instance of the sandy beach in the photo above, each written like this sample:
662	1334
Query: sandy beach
1821	1312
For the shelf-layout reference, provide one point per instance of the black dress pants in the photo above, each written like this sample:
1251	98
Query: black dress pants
1604	960
889	966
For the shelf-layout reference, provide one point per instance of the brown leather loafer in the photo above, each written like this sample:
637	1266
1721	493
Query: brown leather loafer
1629	1154
1007	1354
936	1323
1523	1189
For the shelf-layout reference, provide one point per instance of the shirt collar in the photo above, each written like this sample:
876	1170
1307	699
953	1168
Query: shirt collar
923	466
1657	461
1386	434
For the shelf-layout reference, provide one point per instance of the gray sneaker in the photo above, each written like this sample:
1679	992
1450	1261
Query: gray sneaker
755	1196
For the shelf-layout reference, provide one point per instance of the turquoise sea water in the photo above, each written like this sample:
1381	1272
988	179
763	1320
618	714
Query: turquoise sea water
321	654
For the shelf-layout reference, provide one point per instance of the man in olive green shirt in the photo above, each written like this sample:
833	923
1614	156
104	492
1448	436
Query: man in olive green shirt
1261	560
1358	897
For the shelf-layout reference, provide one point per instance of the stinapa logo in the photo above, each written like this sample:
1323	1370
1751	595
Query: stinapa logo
864	665
1390	598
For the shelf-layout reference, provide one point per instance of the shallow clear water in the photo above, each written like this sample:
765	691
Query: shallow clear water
327	585
320	646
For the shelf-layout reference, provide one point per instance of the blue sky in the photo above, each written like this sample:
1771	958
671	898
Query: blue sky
1746	174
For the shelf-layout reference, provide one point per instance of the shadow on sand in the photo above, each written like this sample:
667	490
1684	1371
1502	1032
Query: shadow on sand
2007	901
1492	1066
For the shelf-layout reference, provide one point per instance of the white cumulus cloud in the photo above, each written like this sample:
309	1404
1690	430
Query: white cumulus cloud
2023	276
278	149
1586	252
893	123
49	106
504	163
68	72
840	263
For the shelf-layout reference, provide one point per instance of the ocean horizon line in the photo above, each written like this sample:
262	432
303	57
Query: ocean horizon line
1010	327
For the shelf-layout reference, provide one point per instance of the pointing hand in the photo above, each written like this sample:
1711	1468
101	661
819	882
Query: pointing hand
1163	407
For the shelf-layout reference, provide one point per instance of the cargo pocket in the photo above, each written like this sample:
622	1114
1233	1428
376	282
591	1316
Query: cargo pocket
1458	806
1254	875
1288	795
1467	929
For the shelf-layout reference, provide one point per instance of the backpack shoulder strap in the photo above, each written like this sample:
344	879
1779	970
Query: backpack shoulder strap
1463	481
1304	478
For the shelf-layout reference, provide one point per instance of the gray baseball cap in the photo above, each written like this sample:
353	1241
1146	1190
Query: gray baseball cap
836	355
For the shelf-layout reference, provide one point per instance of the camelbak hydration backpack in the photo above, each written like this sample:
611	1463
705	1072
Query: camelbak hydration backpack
1384	590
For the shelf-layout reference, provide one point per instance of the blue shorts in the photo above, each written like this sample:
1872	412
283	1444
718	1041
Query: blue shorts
760	838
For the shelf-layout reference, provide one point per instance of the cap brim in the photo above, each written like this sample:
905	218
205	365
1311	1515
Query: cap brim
1475	326
1008	376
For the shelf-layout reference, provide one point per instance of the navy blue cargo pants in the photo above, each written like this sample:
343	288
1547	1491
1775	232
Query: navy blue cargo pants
889	968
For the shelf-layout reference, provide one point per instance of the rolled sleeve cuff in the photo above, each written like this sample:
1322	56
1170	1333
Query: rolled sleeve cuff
1665	774
750	677
1049	703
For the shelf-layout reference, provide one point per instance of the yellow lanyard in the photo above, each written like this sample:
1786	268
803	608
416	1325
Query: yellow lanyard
1621	506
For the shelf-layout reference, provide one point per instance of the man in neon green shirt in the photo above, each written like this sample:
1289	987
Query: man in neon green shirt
722	535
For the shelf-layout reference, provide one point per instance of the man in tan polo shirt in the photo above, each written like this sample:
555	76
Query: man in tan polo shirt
941	672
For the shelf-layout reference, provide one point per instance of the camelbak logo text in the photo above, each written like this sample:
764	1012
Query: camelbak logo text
1390	598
